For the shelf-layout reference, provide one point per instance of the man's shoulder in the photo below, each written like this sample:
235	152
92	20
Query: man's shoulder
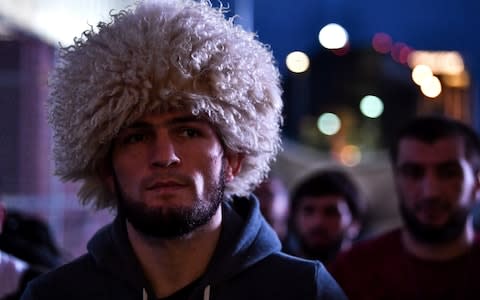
296	264
73	277
362	268
371	250
291	278
378	243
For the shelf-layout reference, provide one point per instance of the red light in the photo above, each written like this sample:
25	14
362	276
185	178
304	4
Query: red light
382	42
396	51
404	54
342	51
400	53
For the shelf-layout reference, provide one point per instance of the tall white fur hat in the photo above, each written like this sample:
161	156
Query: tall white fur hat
162	56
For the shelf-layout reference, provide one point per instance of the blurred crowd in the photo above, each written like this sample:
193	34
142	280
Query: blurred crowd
27	249
170	116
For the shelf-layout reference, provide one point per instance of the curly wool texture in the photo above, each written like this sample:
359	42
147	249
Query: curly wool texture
158	57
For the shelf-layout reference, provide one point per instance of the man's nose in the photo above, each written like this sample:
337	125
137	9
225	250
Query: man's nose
430	185
163	152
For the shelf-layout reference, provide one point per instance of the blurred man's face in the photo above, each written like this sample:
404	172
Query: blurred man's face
273	199
169	172
322	224
436	186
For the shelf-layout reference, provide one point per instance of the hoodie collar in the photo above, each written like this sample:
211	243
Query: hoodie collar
245	239
112	252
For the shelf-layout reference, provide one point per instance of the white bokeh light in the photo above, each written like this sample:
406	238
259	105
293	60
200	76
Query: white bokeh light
371	106
421	73
297	62
431	87
333	36
329	123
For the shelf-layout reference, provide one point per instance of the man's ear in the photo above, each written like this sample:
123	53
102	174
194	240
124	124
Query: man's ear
353	229
234	162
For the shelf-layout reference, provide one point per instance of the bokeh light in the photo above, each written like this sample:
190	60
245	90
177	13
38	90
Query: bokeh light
371	106
350	155
333	36
420	73
400	52
329	123
342	51
382	42
431	87
461	80
297	62
441	62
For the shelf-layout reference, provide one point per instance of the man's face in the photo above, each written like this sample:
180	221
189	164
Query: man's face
273	199
437	188
169	173
322	223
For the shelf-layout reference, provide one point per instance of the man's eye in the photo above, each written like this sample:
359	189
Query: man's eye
135	138
308	210
189	132
449	172
332	211
413	172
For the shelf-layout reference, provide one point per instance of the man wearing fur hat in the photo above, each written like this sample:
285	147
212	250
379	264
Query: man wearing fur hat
170	114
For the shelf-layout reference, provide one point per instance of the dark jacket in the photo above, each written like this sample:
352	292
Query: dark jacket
247	264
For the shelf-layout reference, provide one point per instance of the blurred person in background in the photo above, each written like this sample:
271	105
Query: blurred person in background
434	255
27	249
273	197
12	269
30	238
170	115
325	215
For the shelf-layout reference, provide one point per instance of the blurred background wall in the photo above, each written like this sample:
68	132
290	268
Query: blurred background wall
352	71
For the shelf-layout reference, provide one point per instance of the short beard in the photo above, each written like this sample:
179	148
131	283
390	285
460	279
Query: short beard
435	235
324	253
171	223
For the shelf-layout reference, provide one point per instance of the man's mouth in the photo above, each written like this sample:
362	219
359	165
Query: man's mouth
165	185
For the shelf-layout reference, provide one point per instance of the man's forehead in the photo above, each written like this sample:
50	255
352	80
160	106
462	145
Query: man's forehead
165	118
442	149
324	200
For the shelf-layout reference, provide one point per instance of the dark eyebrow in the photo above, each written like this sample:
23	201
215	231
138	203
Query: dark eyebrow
449	163
408	163
444	164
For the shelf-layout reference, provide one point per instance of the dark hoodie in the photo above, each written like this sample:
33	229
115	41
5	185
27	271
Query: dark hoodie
247	264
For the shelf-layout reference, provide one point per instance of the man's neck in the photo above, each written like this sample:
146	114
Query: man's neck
439	252
170	265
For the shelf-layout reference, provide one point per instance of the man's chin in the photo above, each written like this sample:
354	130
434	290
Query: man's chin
435	233
165	223
318	243
161	208
433	221
164	199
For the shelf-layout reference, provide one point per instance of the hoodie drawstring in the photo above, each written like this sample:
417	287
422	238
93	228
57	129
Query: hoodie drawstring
206	293
145	296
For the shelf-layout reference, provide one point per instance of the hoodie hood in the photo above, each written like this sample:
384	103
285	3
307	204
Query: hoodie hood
245	239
